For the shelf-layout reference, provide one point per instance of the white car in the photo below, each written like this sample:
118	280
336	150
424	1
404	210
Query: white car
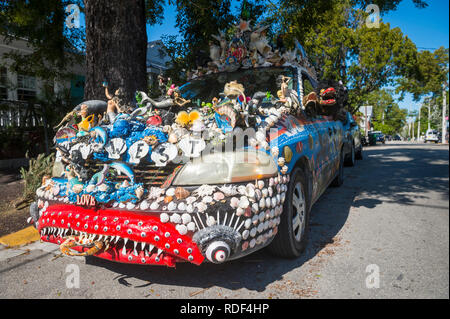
431	136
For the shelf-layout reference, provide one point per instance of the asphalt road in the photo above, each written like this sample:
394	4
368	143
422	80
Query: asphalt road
383	234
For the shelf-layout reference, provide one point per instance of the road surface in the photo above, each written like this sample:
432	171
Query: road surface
383	234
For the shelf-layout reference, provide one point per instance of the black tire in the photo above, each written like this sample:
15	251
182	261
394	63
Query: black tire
350	159
339	179
291	241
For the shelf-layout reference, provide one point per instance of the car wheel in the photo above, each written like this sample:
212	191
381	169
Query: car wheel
339	179
292	235
350	159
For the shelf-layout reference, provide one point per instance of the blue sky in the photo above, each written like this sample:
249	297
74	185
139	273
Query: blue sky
428	28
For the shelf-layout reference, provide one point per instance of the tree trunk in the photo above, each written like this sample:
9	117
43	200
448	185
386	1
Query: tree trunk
116	47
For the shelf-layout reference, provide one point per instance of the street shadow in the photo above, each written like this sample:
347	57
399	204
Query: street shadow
398	173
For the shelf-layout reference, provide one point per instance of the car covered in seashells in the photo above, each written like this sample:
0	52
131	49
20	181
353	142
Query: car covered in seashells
213	170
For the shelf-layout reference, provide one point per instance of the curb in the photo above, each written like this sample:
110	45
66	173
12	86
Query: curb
21	237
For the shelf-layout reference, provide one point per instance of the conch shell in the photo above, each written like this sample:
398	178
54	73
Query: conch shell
181	193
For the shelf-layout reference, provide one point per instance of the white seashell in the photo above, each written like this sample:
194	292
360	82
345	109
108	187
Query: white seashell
89	188
201	207
171	206
234	202
242	190
278	197
274	202
122	205
218	196
155	192
130	205
278	188
270	191
160	199
191	226
262	203
255	208
252	243
191	200
260	228
204	190
243	202
268	202
253	231
182	206
255	220
271	181
190	208
228	190
144	205
186	218
261	217
170	192
164	218
240	211
182	229
250	192
175	218
260	184
283	197
258	194
245	234
207	199
154	206
260	136
210	221
265	192
248	223
272	213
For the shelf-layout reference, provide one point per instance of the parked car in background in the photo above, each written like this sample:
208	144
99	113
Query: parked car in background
396	137
379	136
431	136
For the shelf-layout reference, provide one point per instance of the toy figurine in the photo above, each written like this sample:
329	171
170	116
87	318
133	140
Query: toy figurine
114	102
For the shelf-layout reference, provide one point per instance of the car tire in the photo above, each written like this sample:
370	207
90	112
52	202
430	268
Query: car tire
350	159
339	179
291	238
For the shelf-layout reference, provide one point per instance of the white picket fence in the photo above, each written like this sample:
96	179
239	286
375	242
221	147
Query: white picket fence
19	114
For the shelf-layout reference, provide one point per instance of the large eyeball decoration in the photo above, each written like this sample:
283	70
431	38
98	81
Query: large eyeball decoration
217	252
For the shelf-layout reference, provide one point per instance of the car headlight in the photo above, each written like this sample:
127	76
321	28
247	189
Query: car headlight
227	167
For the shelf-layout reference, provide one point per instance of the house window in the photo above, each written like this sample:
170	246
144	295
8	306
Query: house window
26	87
3	79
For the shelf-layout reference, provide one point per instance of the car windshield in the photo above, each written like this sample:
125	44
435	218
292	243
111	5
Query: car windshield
254	80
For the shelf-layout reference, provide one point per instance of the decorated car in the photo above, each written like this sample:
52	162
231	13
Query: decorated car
213	170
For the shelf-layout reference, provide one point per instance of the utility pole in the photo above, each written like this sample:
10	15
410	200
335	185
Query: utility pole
444	107
429	114
418	127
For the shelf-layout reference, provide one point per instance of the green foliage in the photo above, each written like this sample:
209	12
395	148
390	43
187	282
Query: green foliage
38	167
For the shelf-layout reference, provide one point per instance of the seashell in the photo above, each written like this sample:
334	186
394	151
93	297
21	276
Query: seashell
281	161
175	218
234	202
258	194
130	205
270	191
245	246
207	199
255	220
245	234
260	228
139	192
260	136
168	199
160	199
186	218
242	190
190	208
201	207
255	208
278	188
170	192
274	201
250	192
282	197
144	205
265	192
262	216
191	200
248	212
210	221
164	218
240	211
262	203
243	202
248	223
171	206
191	226
260	184
271	181
218	196
228	190
155	192
253	231
122	205
276	180
182	229
272	213
77	188
205	190
182	206
154	206
278	197
89	188
268	202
